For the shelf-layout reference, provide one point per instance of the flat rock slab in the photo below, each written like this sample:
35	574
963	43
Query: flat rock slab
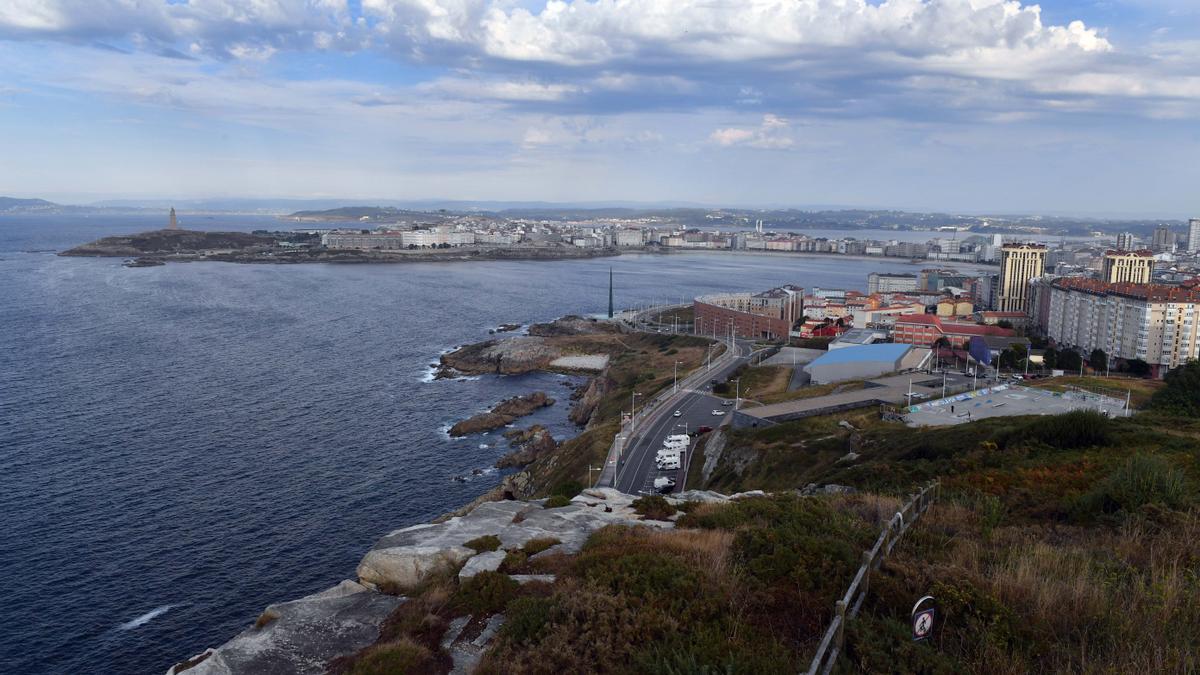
595	362
307	635
405	556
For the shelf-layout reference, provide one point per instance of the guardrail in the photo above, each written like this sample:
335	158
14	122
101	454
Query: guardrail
847	608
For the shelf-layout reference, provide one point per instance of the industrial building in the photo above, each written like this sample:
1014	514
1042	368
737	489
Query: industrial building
865	361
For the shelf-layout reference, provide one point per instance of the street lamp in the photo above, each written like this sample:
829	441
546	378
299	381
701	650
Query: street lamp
737	393
675	379
633	410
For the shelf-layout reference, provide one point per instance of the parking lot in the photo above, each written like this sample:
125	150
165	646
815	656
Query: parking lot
1007	401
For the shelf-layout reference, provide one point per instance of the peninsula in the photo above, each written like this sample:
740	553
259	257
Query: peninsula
172	245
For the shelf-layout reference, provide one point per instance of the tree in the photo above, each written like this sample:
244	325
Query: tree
1069	360
1137	367
1098	360
1180	394
1050	357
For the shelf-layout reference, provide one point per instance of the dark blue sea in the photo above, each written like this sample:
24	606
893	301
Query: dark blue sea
182	445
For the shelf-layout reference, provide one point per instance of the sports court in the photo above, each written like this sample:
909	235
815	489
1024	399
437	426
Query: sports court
1007	401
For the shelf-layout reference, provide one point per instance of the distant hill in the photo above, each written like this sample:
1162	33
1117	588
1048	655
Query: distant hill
14	205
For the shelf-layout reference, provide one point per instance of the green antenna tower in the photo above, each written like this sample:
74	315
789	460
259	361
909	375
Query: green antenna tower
610	294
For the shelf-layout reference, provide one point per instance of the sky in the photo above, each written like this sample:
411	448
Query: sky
1070	106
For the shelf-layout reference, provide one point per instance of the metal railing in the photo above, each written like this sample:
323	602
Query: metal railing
847	608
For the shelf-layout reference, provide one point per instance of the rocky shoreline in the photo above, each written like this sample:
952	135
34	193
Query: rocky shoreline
503	414
317	633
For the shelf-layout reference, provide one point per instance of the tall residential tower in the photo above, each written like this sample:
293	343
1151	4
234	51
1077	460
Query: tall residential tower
1018	264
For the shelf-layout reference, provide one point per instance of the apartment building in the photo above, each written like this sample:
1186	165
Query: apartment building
767	315
1018	264
1151	322
890	283
1133	267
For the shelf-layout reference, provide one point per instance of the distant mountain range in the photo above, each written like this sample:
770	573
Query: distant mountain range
681	213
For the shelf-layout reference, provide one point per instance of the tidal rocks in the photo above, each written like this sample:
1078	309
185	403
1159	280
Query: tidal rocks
503	414
300	636
531	444
510	356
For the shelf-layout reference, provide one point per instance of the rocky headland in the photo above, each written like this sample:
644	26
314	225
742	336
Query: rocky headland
503	414
284	248
522	540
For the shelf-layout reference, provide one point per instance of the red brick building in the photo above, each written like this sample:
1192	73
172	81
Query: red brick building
925	329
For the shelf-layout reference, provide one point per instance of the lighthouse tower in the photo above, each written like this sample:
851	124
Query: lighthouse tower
172	223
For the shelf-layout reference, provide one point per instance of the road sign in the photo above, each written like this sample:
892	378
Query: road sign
923	624
923	619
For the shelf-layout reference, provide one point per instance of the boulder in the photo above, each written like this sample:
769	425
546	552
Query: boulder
488	561
531	444
405	567
303	636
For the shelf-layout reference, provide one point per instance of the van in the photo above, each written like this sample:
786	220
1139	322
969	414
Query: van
668	452
668	464
679	437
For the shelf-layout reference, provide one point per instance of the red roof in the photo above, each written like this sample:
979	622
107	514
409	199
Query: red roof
951	327
1151	292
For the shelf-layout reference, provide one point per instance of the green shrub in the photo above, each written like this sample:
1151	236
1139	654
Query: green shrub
525	619
556	501
513	561
1141	480
567	489
1180	394
653	507
486	593
1076	429
536	546
395	658
488	542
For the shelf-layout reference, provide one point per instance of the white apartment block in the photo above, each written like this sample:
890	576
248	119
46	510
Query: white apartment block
1155	323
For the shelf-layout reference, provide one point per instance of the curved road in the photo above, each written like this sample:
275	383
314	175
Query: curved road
635	469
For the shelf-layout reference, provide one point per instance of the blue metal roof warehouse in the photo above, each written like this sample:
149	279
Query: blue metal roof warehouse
852	363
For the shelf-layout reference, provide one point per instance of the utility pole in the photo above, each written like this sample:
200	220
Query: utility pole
737	394
943	384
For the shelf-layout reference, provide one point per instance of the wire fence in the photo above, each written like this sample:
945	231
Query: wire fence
847	608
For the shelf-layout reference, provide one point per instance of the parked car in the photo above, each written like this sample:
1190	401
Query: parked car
664	484
726	402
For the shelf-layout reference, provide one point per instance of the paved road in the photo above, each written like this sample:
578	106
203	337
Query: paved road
636	470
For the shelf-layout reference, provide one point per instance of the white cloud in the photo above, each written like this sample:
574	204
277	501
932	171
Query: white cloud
771	134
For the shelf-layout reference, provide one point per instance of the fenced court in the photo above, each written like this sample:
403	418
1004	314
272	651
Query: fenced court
1009	401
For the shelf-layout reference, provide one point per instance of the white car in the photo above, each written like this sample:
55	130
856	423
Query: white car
679	413
664	484
726	402
718	413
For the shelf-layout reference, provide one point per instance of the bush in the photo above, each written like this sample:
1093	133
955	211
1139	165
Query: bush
486	593
567	489
488	542
526	618
1180	394
653	507
404	656
1069	431
536	546
1142	480
556	501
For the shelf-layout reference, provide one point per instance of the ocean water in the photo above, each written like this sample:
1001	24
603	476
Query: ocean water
182	445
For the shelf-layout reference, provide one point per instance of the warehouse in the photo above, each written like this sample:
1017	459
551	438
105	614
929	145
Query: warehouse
856	363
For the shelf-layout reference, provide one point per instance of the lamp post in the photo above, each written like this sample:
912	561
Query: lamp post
675	378
633	410
737	393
